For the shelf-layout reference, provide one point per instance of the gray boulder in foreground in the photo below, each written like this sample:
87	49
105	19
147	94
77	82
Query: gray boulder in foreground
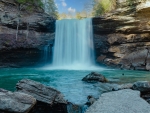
123	101
41	92
15	102
93	76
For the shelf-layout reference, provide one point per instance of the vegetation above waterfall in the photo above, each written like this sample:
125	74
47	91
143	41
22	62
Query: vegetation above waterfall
92	8
103	6
48	5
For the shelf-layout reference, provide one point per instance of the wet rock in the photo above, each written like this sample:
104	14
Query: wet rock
107	87
42	93
143	86
91	100
48	99
16	102
123	101
146	96
125	86
96	77
73	108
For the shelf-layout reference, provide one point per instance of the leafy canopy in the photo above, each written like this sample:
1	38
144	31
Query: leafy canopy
48	5
103	6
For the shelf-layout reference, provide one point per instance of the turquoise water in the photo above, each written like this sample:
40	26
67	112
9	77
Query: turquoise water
68	81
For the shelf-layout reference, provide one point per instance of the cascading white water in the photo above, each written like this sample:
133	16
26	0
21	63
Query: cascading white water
73	46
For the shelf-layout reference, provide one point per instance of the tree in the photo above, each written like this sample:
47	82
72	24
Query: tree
88	7
32	5
78	15
26	5
62	16
103	6
50	8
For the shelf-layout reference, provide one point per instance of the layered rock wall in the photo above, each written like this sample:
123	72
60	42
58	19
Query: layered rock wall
23	34
122	37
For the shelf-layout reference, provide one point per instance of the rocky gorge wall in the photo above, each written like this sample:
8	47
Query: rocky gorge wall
23	34
122	37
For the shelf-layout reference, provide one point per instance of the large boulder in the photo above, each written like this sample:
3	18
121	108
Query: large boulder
93	76
143	86
16	102
123	101
48	99
41	92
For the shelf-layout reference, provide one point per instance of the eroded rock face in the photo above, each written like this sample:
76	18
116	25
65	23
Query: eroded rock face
15	102
23	30
122	38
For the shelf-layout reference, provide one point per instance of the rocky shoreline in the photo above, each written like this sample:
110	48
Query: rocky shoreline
124	98
33	97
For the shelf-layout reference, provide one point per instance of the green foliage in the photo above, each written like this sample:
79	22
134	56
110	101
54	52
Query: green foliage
62	16
51	8
33	2
103	6
29	5
78	15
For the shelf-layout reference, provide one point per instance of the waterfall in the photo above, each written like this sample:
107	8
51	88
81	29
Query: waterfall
47	52
73	46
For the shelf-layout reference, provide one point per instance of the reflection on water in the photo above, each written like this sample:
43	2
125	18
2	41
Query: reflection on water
68	81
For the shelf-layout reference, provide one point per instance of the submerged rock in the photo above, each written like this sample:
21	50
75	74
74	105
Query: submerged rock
48	99
16	102
123	86
96	77
123	101
143	86
73	108
107	87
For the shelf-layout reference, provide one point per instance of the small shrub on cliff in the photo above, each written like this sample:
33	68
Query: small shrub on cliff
29	5
103	6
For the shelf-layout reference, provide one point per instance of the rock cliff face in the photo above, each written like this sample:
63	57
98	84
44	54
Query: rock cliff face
23	34
122	37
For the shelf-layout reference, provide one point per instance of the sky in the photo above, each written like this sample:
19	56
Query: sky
72	6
